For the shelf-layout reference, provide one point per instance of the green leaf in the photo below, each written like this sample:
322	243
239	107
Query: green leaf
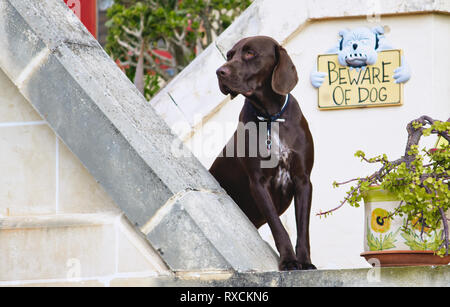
162	20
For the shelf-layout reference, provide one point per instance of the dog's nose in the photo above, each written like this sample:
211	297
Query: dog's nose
223	71
355	46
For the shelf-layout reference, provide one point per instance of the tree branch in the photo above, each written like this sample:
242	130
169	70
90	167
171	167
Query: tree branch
134	49
445	223
414	135
156	67
137	33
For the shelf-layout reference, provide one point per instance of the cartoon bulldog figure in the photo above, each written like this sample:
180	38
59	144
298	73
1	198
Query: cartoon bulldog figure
358	48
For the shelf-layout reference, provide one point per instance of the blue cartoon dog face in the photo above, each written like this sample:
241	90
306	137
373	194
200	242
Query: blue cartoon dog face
358	47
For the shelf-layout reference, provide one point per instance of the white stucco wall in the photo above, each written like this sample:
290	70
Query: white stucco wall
57	224
337	240
420	28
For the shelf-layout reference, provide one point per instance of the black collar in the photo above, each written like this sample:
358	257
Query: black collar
271	118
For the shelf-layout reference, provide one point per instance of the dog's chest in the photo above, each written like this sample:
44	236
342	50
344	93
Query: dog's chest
282	153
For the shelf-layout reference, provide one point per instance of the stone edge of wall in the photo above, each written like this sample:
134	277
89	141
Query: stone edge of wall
420	276
388	276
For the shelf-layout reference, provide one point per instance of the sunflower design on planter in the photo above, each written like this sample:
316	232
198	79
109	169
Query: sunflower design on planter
380	222
420	224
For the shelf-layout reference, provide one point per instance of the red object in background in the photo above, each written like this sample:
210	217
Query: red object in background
164	54
86	10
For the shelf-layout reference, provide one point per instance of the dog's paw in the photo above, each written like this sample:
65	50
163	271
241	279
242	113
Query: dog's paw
289	265
308	266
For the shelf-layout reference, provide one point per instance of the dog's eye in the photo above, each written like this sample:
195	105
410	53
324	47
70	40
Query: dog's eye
249	54
230	55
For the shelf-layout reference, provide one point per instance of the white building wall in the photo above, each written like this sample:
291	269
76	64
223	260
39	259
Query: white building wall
57	224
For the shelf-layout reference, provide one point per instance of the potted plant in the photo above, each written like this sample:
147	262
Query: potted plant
407	200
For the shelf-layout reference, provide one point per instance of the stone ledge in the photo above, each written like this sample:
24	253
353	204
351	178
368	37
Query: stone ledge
189	215
59	220
425	276
434	276
46	248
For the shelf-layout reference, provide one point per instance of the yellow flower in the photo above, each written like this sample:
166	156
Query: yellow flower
417	222
379	222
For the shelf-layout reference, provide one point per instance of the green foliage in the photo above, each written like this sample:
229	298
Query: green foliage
152	86
427	242
180	28
382	243
420	180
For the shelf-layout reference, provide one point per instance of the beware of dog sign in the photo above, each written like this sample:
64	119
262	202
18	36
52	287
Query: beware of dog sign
366	86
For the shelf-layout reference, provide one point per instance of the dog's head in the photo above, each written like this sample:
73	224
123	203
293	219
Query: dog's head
359	47
256	62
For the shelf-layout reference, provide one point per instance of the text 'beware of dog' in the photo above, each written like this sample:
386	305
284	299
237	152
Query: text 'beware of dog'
369	86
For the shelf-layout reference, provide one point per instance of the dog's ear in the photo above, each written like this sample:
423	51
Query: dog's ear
284	77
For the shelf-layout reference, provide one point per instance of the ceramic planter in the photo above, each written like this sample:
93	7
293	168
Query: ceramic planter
385	240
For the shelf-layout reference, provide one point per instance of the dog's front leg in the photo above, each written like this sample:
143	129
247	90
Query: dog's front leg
302	199
258	190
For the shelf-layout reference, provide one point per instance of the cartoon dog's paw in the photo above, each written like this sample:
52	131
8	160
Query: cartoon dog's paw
317	78
401	74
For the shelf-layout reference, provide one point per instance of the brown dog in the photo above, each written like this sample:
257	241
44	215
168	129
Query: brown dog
261	70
